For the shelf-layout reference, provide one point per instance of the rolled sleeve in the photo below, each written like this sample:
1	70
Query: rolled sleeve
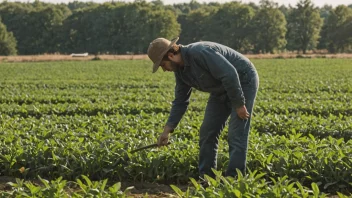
180	103
221	69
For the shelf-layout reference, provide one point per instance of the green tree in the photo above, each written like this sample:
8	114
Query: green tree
338	24
14	16
230	25
35	25
118	28
285	10
158	2
254	6
269	28
194	25
185	8
324	13
75	5
304	25
7	41
44	26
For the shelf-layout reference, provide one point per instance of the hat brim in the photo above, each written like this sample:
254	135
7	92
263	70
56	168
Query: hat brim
157	63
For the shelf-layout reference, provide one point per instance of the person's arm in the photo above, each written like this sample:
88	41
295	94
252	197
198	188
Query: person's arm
179	104
178	109
221	69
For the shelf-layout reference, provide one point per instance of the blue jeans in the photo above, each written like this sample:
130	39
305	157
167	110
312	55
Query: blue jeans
217	113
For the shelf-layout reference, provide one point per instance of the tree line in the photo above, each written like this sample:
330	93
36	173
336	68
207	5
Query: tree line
123	28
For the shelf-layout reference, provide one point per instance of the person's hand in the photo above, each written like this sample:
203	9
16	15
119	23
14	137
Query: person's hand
242	112
164	136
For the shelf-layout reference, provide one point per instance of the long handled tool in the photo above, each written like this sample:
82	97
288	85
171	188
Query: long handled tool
126	157
146	147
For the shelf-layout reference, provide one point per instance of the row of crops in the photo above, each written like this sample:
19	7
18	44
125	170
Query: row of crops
70	125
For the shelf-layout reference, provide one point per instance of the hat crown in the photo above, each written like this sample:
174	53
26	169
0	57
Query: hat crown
158	48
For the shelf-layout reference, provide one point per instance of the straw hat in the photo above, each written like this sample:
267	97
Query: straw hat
157	50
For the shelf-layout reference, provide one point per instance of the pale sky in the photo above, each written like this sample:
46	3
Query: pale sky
319	3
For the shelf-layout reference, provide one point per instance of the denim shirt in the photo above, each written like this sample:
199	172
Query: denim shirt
209	67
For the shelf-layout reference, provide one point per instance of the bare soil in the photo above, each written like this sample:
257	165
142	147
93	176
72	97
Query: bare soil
55	57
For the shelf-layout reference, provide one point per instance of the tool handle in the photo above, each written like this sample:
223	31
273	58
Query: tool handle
146	147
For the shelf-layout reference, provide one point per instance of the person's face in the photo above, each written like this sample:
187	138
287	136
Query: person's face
169	66
173	64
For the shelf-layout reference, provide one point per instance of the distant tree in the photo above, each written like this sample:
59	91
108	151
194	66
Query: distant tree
75	5
194	4
182	9
7	41
339	36
157	2
254	6
185	8
324	13
194	25
304	25
118	28
44	32
230	25
269	28
15	17
214	4
35	25
285	10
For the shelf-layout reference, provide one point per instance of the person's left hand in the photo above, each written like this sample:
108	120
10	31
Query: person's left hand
242	112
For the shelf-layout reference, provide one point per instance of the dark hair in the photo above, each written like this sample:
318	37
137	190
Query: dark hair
175	49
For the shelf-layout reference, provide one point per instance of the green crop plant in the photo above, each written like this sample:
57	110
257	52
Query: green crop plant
73	123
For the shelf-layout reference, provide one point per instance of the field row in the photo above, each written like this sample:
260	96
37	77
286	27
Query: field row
70	106
53	96
68	119
101	155
335	126
65	86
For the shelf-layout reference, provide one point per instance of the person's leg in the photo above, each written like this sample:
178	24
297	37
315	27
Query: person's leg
239	131
216	115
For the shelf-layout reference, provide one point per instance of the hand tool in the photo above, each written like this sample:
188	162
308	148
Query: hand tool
146	147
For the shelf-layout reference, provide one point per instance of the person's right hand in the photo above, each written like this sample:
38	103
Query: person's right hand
164	136
242	112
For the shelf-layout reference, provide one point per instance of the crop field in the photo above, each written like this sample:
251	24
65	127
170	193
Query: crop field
67	126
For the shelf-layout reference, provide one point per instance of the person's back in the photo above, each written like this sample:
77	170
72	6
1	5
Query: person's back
238	60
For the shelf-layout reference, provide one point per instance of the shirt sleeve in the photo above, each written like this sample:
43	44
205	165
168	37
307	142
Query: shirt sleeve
180	103
221	69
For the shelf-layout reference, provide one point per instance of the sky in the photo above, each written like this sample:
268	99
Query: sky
319	3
